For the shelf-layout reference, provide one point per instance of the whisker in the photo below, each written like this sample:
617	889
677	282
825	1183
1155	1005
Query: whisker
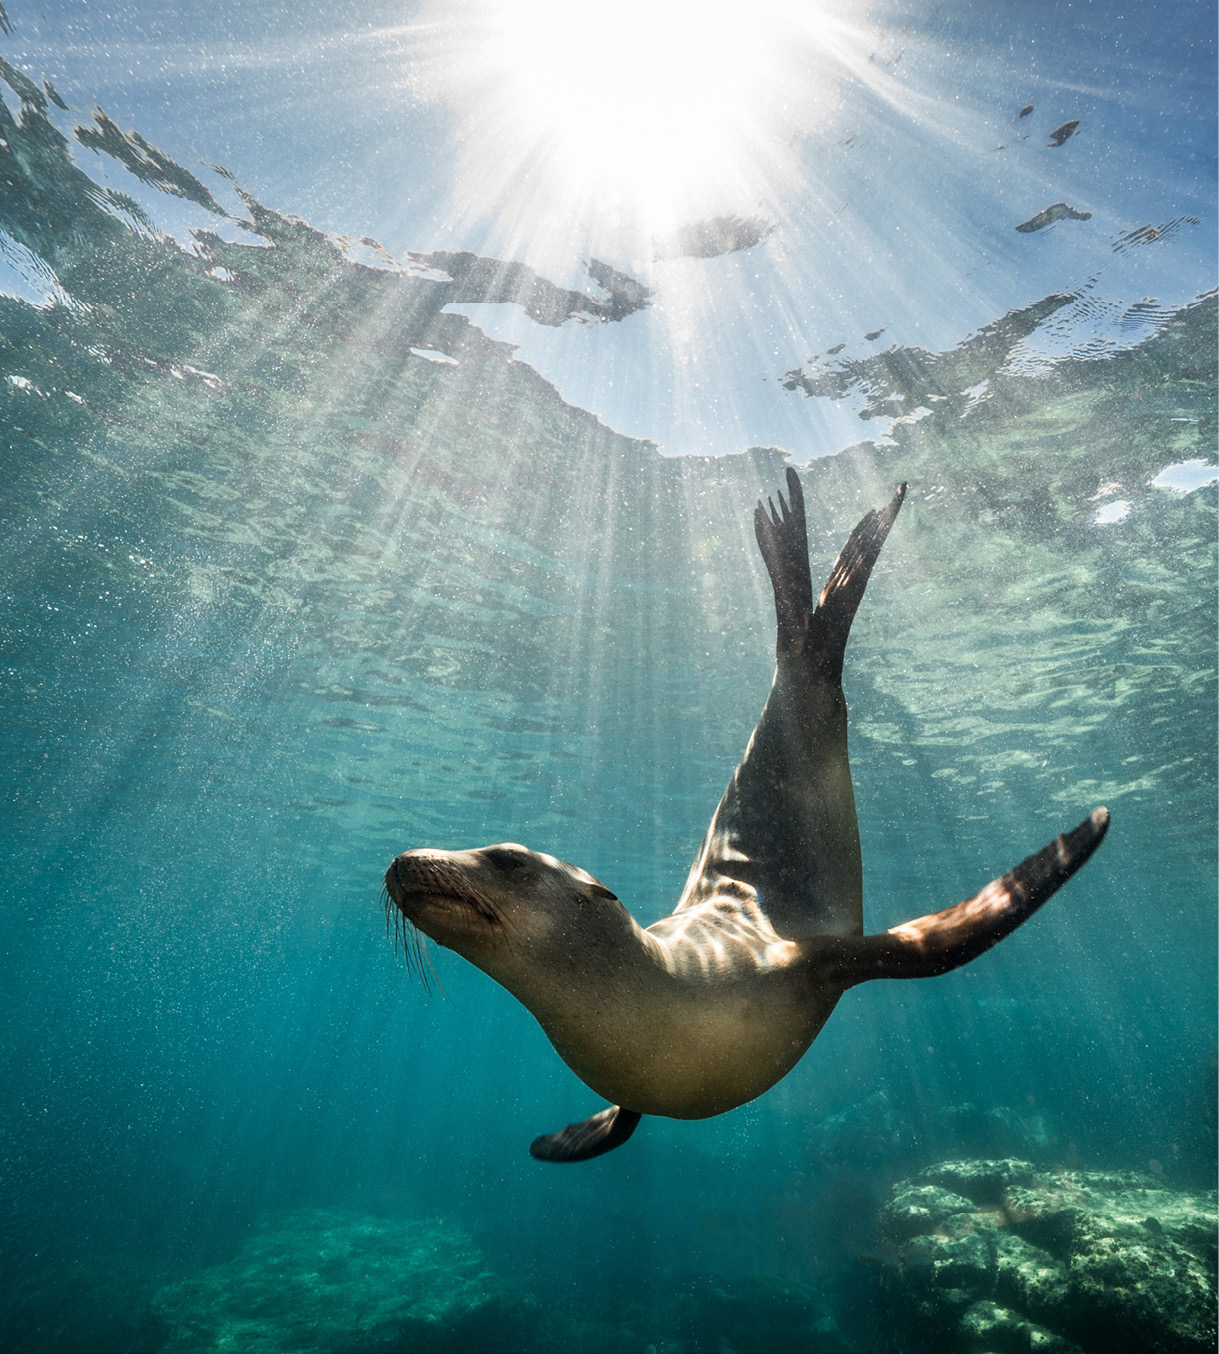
415	953
424	956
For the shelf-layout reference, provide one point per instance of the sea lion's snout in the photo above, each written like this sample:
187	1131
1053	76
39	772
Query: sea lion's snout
413	873
396	878
445	893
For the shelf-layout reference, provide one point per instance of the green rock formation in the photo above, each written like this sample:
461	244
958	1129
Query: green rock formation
996	1256
317	1282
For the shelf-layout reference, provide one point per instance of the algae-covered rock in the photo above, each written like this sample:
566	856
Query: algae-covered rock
991	1256
987	1326
321	1282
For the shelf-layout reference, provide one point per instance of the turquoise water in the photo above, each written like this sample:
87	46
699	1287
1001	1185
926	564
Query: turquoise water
301	568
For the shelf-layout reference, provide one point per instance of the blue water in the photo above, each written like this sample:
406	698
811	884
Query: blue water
284	595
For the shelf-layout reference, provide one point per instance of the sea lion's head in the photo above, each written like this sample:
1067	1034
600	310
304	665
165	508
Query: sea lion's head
511	911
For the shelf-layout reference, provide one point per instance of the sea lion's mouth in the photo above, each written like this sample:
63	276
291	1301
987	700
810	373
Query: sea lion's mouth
425	892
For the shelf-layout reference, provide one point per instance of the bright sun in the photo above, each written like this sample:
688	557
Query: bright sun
641	114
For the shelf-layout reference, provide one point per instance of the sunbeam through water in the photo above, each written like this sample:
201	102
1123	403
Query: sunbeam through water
386	389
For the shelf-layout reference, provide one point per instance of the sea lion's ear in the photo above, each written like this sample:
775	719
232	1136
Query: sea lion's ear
596	889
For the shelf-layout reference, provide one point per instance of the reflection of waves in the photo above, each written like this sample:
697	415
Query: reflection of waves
1076	327
1090	328
1149	234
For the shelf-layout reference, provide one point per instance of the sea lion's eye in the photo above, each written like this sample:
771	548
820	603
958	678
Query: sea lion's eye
504	860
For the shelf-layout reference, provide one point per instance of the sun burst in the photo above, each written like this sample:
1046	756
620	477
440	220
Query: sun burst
632	118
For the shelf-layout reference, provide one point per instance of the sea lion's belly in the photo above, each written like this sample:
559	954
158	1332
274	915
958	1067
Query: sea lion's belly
697	1055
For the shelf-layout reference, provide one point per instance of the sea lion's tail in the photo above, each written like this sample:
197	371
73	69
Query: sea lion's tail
942	941
782	534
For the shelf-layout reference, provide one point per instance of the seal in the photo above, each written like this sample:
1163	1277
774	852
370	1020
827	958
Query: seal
709	1007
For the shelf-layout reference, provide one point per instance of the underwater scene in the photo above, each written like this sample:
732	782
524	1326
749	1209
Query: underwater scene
386	391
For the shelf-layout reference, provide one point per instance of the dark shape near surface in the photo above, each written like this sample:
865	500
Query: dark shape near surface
1025	111
1062	134
714	236
146	162
625	294
21	85
916	376
480	280
711	1006
1058	211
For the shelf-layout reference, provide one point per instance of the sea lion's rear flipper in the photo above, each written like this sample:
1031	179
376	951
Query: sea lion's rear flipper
945	940
587	1139
783	540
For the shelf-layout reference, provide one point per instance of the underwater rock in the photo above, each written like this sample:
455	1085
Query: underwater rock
996	1255
626	294
1001	1131
145	161
861	1136
21	85
317	1281
53	94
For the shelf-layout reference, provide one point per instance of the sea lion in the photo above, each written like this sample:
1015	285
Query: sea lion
711	1006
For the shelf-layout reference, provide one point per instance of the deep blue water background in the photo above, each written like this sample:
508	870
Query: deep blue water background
282	598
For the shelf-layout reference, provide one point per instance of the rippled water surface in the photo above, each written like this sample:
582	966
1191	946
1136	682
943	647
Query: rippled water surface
304	563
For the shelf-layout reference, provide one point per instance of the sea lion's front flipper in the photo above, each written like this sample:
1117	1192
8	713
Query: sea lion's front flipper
587	1139
945	940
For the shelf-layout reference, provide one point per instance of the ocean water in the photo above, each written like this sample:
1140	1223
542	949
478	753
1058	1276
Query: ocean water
302	564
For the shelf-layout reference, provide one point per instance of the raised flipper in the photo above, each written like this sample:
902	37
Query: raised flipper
945	940
587	1139
783	540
